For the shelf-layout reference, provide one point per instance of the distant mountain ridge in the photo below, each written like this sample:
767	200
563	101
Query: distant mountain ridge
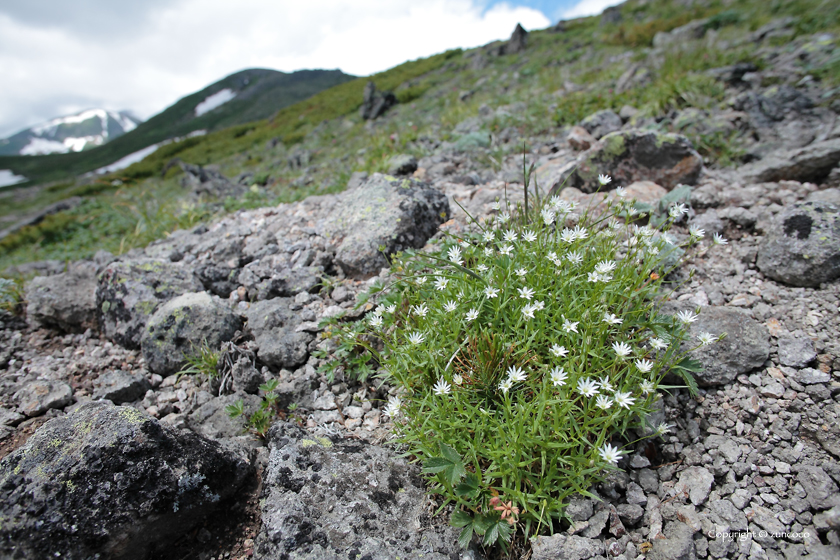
71	133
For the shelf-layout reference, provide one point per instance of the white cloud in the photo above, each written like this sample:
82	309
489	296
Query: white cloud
589	8
185	46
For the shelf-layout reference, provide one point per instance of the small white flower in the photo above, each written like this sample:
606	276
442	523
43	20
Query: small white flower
516	374
644	366
605	267
506	250
510	236
391	308
489	236
420	280
696	232
603	402
375	321
491	292
663	429
567	236
471	315
622	349
570	326
587	387
504	217
624	399
481	268
706	338
558	351
658	344
528	311
454	255
393	408
526	293
488	252
547	216
605	384
686	317
457	379
604	180
580	232
450	306
529	236
416	338
505	385
575	258
440	283
496	205
595	277
677	210
421	310
521	272
465	244
442	387
538	305
620	192
558	377
718	239
611	319
647	387
610	454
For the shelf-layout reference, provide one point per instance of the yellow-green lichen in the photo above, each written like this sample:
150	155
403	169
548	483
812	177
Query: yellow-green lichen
614	145
132	415
320	441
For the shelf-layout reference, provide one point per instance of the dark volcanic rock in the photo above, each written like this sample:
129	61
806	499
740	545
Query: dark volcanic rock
518	41
375	103
811	163
273	325
37	397
337	498
802	247
601	123
120	386
209	181
109	482
66	301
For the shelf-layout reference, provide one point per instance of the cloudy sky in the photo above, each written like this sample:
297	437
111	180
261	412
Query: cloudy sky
58	57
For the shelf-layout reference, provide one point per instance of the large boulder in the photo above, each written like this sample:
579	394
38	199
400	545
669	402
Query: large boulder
66	301
109	482
273	325
130	291
634	155
330	498
383	215
601	123
811	163
802	245
180	325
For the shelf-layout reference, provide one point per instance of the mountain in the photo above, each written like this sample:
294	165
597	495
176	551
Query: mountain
246	96
72	133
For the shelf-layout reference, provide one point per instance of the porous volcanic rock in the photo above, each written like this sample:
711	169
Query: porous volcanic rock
66	301
273	324
109	482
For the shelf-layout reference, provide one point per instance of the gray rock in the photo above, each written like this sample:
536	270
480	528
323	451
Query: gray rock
802	246
209	181
246	377
597	523
181	325
678	544
579	138
518	41
120	386
375	103
579	509
324	495
709	222
402	164
110	482
723	512
649	480
725	446
37	397
764	518
827	196
10	417
66	301
635	494
821	489
273	325
811	376
634	155
601	123
696	482
563	547
796	352
212	420
630	513
811	163
392	215
130	291
678	37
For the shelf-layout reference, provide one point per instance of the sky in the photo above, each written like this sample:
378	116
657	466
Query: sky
58	57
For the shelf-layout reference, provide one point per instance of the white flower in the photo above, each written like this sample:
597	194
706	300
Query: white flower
624	399
604	180
465	244
706	338
521	272
471	315
686	317
603	402
622	349
442	387
421	310
663	429
611	319
450	306
440	283
505	385
595	277
416	338
457	379
503	217
496	205
658	344
528	311
620	192
696	232
491	292
558	377
605	384
454	255
610	454
677	210
647	387
580	232
644	366
526	293
529	236
391	308
558	351
420	280
538	305
575	258
605	267
375	321
570	326
547	216
506	250
489	236
510	236
488	252
393	408
481	268
718	239
587	387
516	374
567	236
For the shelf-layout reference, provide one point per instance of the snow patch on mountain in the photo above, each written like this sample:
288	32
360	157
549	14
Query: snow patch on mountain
216	100
140	155
8	178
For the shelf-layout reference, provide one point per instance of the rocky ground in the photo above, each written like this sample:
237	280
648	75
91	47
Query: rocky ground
106	450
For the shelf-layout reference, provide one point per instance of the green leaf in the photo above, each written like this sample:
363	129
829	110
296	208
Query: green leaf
684	369
436	465
498	531
450	453
469	487
465	537
461	518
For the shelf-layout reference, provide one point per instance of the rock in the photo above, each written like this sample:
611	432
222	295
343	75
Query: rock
273	325
110	482
562	547
828	196
764	518
611	15
579	138
725	446
678	37
723	512
579	509
518	40
696	482
796	352
811	376
709	222
37	397
212	420
375	103
66	301
811	163
678	544
280	283
821	490
120	386
324	495
630	513
471	141
601	123
802	245
246	377
627	112
208	181
130	291
384	213
402	164
180	326
635	155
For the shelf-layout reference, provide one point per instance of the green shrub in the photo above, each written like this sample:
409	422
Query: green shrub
521	351
11	296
